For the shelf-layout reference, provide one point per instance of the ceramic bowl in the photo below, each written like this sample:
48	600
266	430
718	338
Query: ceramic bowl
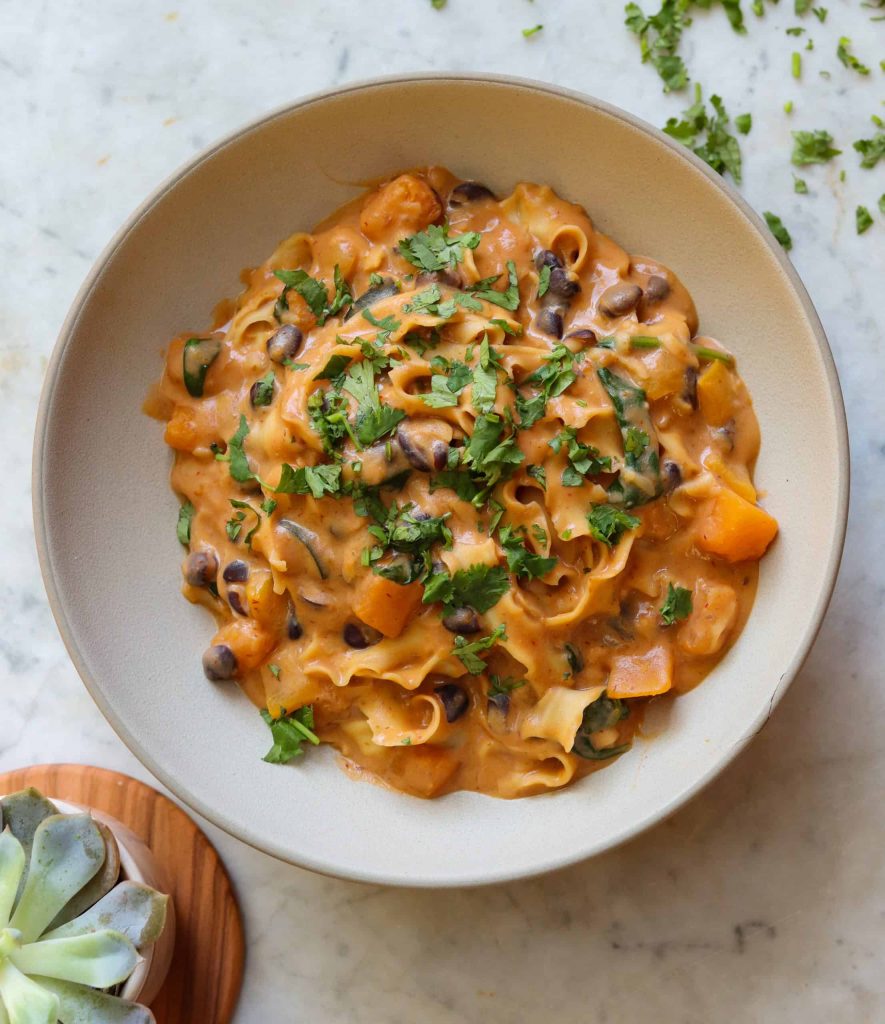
105	517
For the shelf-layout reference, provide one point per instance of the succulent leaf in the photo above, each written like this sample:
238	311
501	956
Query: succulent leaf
81	1005
134	910
100	959
12	868
25	1001
67	851
22	812
100	884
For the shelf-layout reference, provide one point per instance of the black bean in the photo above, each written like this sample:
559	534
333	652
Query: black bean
360	636
500	702
690	387
469	192
584	334
462	620
672	475
454	700
294	629
201	568
413	451
259	394
219	663
656	288
284	343
236	571
620	299
562	285
547	258
235	600
549	321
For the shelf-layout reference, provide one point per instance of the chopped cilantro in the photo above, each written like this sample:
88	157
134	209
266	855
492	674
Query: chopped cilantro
743	123
608	523
584	460
315	480
720	149
508	299
504	684
815	147
676	606
820	13
373	421
433	249
289	733
659	38
274	670
327	411
235	523
183	526
871	150
847	57
313	292
863	219
776	227
800	185
335	367
796	64
544	280
238	464
480	587
534	30
485	377
520	560
538	473
468	653
882	203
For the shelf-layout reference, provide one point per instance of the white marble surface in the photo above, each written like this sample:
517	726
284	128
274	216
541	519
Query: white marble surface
764	899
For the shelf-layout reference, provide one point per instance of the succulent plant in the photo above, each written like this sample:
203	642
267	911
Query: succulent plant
69	931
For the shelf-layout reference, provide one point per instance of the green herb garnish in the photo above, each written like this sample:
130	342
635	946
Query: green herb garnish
263	390
847	57
608	523
815	147
676	606
433	249
289	733
584	460
468	652
863	219
183	526
776	227
521	560
480	587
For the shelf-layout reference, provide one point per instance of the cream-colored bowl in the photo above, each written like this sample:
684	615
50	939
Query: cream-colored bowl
105	516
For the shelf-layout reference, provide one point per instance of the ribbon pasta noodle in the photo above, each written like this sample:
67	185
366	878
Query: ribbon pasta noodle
463	488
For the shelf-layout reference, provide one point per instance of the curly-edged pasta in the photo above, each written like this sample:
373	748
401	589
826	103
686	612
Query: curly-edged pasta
463	488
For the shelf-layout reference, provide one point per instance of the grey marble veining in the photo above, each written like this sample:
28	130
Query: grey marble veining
764	899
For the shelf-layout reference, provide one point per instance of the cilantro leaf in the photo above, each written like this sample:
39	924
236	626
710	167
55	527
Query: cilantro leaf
499	685
335	367
289	733
557	373
235	523
720	149
659	39
863	219
508	299
847	57
520	560
238	464
183	526
538	473
544	280
871	150
433	249
529	32
584	459
608	523
314	480
815	147
480	587
676	606
776	226
800	185
373	421
468	653
445	388
313	292
485	377
327	412
743	123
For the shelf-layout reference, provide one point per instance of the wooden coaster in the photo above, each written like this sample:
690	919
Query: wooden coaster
207	967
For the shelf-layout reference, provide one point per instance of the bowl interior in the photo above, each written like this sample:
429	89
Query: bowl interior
106	517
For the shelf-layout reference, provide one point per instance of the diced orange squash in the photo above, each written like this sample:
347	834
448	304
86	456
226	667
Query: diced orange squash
182	430
735	529
401	207
248	640
423	770
641	675
716	396
265	605
385	605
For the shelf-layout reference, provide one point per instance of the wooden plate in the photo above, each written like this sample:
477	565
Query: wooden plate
207	967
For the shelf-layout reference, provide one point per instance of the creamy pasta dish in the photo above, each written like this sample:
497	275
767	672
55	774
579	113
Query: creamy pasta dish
463	487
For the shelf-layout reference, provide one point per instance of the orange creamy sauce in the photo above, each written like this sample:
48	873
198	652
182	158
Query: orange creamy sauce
592	622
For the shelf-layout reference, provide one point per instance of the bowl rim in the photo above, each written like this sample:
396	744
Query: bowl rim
553	861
